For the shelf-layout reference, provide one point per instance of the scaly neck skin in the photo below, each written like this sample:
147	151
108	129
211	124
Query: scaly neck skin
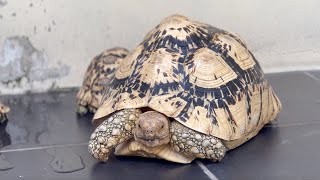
152	129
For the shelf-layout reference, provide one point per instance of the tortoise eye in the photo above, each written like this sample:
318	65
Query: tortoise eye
162	126
139	126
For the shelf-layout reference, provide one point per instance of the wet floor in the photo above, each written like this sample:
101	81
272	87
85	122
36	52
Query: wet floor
45	139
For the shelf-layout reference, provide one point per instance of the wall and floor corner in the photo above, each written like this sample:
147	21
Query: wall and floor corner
49	44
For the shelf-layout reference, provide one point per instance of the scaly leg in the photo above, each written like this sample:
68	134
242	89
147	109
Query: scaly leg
195	144
111	132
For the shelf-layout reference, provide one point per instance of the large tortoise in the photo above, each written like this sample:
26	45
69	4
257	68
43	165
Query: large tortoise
3	110
189	90
99	74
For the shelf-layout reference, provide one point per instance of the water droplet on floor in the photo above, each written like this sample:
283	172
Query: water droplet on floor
4	163
65	160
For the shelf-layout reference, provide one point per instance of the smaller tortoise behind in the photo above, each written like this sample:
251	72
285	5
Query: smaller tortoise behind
99	74
189	90
3	110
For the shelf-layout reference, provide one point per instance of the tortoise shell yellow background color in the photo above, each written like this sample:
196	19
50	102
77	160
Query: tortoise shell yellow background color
201	76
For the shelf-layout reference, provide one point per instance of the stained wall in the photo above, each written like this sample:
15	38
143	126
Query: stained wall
47	44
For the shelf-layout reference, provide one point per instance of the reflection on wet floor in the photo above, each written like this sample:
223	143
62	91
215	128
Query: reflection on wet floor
34	121
46	119
4	141
65	160
4	163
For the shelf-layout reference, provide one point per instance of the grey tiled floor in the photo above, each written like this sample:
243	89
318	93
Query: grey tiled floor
44	132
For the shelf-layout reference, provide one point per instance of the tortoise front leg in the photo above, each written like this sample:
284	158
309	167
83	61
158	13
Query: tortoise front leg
111	132
195	144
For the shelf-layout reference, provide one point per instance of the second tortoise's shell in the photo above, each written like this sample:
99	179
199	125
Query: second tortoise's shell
201	76
99	74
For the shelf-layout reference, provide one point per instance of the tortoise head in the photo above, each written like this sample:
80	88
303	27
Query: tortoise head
152	129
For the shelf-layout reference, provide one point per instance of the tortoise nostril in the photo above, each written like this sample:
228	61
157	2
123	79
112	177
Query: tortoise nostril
149	131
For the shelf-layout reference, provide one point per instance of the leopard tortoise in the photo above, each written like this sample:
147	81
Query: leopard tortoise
98	75
189	90
3	110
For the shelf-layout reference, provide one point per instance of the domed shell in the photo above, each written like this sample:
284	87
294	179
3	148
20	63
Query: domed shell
99	73
201	76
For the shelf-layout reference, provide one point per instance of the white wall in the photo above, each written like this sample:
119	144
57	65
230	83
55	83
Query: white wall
284	35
